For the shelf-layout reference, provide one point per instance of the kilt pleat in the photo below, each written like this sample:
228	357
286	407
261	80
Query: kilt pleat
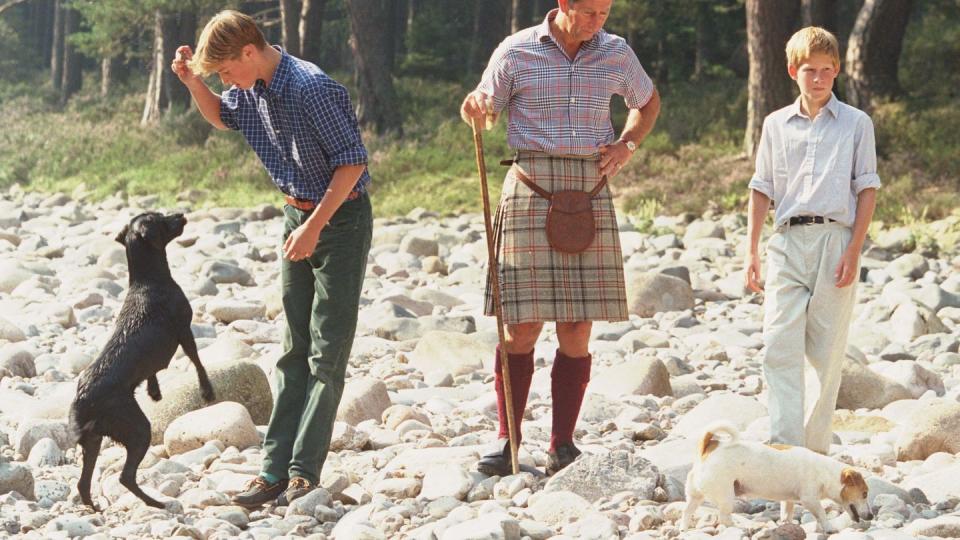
540	284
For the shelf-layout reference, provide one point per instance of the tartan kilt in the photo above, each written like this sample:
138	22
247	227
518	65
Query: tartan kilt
540	284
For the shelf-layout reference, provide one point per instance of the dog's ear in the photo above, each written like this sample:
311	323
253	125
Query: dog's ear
122	235
851	477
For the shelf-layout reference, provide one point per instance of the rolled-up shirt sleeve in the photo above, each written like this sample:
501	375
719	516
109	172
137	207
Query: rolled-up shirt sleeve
762	180
497	79
865	157
637	85
330	113
229	107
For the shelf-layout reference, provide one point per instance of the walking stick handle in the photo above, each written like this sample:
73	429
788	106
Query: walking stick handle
494	273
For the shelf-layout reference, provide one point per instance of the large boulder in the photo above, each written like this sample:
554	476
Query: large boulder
649	293
938	485
934	427
32	430
241	382
16	477
733	408
363	399
18	360
450	352
10	332
861	387
641	376
594	476
914	377
227	422
12	274
557	508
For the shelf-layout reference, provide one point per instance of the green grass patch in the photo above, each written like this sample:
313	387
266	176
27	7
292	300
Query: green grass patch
692	162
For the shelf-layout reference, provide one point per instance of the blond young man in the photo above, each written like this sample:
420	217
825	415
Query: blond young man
301	125
817	163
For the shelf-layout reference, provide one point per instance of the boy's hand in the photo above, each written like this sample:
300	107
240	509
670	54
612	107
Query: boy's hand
179	65
301	243
752	273
846	271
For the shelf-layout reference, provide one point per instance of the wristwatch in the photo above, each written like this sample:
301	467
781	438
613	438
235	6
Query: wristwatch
631	146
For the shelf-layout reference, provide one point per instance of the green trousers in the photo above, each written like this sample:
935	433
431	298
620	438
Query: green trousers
321	297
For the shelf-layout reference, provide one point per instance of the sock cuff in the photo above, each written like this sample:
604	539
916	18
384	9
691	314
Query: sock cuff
571	368
520	363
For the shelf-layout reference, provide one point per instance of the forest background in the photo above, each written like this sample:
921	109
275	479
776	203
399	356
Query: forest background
92	108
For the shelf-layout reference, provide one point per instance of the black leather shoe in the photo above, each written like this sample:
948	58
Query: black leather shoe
496	463
259	492
563	456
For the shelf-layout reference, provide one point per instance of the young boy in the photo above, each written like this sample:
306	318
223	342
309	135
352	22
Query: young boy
300	123
817	163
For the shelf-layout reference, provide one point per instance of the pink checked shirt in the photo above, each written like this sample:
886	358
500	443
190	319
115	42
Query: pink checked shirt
558	105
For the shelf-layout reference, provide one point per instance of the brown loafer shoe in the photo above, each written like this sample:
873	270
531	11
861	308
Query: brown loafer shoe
298	487
563	456
259	492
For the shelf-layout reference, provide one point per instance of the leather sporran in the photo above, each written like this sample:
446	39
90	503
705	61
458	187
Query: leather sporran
570	224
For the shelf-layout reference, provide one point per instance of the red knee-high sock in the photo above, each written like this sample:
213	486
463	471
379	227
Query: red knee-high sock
569	379
521	372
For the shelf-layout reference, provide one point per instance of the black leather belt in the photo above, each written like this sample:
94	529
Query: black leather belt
809	220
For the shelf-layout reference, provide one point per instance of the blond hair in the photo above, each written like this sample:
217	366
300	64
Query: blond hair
811	40
223	38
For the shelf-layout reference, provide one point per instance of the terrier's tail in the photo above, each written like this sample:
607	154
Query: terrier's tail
709	442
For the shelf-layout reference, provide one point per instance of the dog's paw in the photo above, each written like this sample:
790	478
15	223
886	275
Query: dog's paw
206	392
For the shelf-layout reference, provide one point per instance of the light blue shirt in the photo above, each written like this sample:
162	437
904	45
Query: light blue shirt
816	167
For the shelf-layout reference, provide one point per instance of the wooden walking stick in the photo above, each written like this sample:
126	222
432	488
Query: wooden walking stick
494	274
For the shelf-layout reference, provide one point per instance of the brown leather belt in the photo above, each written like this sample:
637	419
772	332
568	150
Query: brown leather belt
306	204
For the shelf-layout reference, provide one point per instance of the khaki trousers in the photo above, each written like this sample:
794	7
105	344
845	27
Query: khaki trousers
805	315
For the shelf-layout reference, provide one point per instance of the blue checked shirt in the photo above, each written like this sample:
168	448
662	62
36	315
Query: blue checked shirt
302	127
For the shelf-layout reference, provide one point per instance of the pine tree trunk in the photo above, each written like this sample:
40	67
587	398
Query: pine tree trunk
377	101
153	104
72	68
540	9
701	27
412	6
178	29
473	52
56	47
519	15
311	24
769	24
289	23
822	13
106	75
873	52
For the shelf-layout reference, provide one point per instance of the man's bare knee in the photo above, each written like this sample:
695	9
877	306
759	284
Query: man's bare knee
574	338
521	338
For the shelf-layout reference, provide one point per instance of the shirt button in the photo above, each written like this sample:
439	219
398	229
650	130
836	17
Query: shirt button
574	133
573	100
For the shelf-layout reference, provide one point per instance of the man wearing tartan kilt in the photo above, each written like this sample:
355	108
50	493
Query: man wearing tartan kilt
555	80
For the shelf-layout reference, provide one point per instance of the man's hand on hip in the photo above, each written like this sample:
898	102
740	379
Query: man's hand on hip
613	157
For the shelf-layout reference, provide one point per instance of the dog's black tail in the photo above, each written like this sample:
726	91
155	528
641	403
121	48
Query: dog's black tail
79	423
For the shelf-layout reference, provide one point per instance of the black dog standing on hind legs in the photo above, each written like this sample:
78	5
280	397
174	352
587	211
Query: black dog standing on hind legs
154	319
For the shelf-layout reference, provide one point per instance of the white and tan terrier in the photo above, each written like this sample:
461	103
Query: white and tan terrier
729	468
